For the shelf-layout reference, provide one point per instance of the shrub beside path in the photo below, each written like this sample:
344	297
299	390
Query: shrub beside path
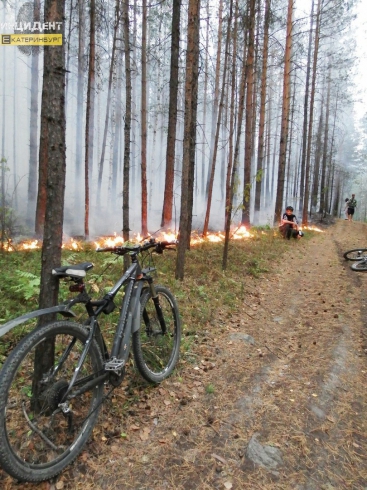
273	397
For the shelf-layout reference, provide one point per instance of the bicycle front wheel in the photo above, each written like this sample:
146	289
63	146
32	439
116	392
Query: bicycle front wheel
360	266
156	345
356	254
41	429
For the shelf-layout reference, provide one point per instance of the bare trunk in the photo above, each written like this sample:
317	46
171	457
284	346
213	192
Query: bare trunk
172	117
108	101
79	123
316	172
229	201
232	118
33	136
248	116
325	151
205	102
260	147
285	114
305	108
289	166
221	104
89	127
216	93
143	154
53	150
117	133
127	126
310	124
189	141
323	185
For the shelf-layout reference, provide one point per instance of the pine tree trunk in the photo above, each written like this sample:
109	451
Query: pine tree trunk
268	194
79	123
260	146
216	93
108	101
221	104
127	126
325	150
232	118
135	124
229	201
248	115
172	117
205	102
316	172
53	149
33	137
305	109
89	127
285	114
310	123
327	153
143	154
189	140
288	194
117	133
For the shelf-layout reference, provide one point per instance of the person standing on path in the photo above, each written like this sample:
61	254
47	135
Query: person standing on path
346	208
352	204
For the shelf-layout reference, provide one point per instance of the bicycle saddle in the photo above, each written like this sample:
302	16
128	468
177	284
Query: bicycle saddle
78	270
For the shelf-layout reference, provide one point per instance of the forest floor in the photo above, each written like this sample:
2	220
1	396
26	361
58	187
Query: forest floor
276	399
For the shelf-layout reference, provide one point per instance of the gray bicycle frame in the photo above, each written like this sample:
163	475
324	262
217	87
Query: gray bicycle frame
129	321
64	308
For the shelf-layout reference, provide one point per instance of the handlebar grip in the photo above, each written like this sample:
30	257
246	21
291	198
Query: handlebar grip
116	250
167	244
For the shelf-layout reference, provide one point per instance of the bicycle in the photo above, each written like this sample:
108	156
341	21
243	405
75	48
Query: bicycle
360	266
356	254
49	404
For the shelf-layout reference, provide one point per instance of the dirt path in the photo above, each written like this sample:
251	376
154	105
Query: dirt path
275	398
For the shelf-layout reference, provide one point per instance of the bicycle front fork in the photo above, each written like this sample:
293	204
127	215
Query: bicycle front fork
158	308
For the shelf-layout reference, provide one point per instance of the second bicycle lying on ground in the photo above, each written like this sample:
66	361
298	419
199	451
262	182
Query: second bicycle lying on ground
359	256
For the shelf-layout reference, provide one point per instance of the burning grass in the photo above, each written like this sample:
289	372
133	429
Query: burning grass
78	244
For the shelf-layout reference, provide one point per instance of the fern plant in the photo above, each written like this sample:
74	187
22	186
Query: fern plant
28	285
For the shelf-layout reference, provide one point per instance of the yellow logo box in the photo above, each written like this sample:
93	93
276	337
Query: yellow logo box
31	39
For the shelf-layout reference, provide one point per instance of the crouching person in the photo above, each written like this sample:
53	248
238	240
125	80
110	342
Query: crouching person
288	226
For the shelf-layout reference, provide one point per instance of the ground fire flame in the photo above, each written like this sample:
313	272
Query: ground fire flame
238	233
112	241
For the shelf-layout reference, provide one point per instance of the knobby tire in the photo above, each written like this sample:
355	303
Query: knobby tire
359	266
356	254
156	352
38	440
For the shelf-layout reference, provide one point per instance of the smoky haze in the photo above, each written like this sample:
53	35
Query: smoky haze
106	210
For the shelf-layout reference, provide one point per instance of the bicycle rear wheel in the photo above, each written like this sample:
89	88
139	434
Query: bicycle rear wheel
356	254
38	438
156	345
360	266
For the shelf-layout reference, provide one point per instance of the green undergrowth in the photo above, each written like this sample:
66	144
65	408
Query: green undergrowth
207	296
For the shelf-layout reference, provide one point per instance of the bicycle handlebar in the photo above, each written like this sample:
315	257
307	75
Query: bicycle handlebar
121	250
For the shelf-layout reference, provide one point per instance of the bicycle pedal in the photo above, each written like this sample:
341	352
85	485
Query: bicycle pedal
114	364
